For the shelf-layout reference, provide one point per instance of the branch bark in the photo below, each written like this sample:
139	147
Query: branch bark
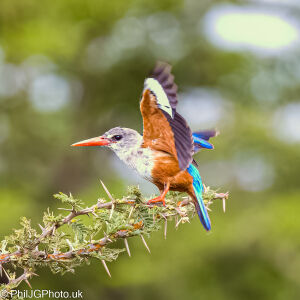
123	218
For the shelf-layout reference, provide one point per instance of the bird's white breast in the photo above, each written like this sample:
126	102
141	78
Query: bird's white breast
139	159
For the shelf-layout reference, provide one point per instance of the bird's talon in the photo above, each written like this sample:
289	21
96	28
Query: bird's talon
155	200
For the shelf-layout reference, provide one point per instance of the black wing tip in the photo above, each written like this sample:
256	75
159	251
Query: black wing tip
162	65
206	135
162	73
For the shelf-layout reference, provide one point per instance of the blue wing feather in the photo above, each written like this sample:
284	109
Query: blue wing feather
201	143
198	189
201	139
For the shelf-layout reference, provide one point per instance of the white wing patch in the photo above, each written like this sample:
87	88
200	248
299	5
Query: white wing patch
162	100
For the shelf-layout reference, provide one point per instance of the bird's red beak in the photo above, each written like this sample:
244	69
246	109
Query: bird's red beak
96	141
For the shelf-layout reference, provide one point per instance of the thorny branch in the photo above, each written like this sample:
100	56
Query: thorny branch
130	216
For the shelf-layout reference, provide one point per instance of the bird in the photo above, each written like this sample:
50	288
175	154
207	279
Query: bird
163	153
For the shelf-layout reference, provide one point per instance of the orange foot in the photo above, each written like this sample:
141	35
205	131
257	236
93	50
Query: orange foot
160	198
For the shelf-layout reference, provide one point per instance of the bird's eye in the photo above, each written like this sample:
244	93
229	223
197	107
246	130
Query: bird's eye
117	137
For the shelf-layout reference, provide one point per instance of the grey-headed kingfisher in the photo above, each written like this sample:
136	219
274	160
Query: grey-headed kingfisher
164	153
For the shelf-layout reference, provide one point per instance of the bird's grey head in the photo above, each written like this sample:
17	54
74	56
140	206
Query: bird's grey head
122	139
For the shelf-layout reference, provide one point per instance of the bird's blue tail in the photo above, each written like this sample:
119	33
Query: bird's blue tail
198	189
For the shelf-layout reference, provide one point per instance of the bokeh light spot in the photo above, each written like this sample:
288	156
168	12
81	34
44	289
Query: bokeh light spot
49	92
286	123
204	108
250	28
253	173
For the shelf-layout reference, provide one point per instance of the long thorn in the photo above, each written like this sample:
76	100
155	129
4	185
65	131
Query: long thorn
111	211
131	211
224	204
107	192
127	247
105	267
144	242
66	209
26	280
70	245
4	272
165	229
111	198
177	224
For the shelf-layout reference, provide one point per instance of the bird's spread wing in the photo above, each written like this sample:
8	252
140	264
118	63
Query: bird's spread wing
164	129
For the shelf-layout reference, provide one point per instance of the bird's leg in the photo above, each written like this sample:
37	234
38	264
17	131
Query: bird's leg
161	197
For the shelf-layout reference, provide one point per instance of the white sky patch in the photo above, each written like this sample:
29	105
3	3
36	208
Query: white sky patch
204	108
253	173
279	2
251	28
249	171
286	123
49	92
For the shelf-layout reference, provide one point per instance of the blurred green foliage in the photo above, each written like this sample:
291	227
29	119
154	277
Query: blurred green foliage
71	69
